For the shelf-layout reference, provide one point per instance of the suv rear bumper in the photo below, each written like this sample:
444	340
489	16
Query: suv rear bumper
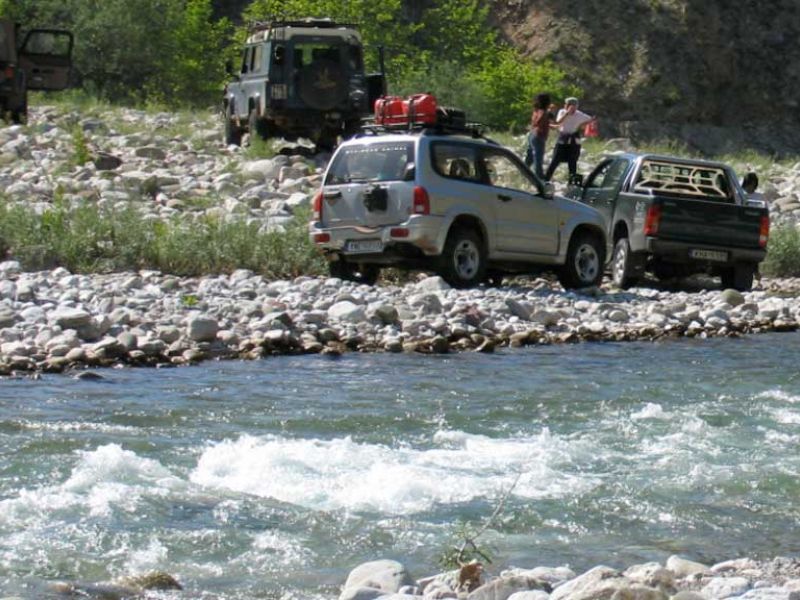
679	252
421	239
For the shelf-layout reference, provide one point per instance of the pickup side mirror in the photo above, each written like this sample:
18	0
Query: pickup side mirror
549	190
750	182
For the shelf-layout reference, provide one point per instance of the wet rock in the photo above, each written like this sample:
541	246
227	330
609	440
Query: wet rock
386	576
685	568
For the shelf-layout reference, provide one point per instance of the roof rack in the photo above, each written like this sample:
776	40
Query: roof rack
474	130
318	22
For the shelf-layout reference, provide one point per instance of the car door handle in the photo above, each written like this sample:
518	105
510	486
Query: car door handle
504	198
332	194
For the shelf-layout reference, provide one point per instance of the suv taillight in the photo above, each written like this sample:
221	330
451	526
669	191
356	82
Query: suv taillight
652	219
316	206
763	234
422	203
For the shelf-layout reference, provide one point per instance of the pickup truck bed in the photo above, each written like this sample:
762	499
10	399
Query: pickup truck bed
673	217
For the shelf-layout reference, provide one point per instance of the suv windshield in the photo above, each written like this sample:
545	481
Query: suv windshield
389	161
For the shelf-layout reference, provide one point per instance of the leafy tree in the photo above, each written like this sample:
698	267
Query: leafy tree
194	65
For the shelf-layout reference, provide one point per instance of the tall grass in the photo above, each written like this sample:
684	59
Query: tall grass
783	253
89	239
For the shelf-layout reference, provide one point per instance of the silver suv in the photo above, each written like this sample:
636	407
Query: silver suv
457	204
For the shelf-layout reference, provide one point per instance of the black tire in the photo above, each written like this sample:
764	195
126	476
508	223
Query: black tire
256	126
463	260
585	259
233	135
494	278
623	274
351	127
739	277
367	274
327	140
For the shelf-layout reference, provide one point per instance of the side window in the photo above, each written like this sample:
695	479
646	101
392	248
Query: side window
595	179
616	171
503	171
253	61
246	60
255	66
455	161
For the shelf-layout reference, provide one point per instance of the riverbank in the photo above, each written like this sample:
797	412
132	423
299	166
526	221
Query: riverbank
678	578
54	320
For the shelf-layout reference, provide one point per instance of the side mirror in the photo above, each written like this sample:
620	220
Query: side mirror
278	54
549	190
410	172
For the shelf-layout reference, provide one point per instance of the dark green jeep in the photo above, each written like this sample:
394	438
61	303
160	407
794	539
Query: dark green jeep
300	79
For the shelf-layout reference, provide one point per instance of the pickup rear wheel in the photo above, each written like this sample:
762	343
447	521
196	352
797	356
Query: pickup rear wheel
584	265
622	272
367	274
739	277
463	260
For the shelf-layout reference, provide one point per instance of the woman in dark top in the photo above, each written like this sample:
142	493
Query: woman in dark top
537	138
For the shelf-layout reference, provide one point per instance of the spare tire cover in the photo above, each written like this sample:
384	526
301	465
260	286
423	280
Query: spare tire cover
322	85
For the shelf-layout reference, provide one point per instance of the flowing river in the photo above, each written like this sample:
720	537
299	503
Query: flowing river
274	478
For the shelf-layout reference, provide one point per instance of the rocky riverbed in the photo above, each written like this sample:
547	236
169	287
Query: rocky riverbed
169	167
677	579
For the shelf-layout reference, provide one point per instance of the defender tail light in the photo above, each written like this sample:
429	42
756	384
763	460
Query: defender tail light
422	202
652	219
316	206
322	238
763	234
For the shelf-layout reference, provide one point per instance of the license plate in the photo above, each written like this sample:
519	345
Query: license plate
715	255
363	246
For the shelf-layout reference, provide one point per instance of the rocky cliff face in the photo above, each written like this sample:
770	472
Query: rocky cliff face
715	73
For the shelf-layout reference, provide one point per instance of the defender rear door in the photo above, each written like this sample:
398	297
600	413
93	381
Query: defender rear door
46	58
7	46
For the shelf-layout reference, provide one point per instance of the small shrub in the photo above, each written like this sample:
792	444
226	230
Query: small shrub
80	147
783	253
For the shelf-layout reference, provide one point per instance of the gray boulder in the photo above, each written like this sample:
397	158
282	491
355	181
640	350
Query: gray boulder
202	328
504	587
387	576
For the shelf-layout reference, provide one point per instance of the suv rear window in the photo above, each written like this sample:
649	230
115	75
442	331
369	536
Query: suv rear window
389	161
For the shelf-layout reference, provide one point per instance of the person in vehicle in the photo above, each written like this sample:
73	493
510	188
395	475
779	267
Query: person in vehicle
570	122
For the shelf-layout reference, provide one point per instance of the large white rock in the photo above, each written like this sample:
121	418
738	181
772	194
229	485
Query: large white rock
70	318
260	170
388	576
683	567
504	587
347	311
725	587
202	328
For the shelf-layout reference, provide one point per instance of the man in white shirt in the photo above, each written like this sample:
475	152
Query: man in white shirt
569	122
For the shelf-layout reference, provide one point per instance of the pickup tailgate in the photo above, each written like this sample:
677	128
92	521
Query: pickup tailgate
709	223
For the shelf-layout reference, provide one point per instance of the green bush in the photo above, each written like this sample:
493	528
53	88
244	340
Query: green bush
783	253
87	239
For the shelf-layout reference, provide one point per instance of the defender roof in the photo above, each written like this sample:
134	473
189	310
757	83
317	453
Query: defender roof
283	30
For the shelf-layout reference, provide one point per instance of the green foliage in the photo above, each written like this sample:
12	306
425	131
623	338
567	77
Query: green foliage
167	50
80	147
448	48
507	85
86	238
783	253
462	549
